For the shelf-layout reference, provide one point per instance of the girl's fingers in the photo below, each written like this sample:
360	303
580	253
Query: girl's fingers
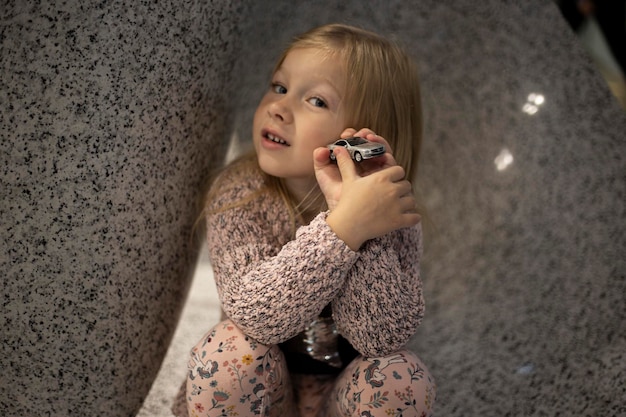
396	174
364	133
379	139
321	156
346	166
370	135
348	133
370	166
407	204
382	140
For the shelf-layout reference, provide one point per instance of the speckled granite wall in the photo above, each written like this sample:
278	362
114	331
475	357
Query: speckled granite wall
110	115
524	273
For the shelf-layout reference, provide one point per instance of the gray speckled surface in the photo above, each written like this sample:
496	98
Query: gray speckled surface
525	276
524	273
524	268
110	115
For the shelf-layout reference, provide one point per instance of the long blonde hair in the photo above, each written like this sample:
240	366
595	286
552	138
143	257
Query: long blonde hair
382	86
382	93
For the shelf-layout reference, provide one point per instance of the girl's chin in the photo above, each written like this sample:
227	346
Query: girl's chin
291	175
272	167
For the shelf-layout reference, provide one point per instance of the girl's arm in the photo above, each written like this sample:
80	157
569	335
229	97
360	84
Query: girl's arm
381	304
373	210
270	287
365	200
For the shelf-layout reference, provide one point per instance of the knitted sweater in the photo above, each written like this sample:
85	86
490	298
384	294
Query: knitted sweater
273	286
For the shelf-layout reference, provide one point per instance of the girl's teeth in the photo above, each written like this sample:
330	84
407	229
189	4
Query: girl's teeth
275	139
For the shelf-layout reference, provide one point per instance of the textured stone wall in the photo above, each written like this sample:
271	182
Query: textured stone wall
111	115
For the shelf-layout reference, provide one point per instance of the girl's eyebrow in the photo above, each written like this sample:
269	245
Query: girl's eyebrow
333	86
279	71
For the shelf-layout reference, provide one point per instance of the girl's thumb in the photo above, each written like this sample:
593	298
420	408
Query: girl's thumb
345	164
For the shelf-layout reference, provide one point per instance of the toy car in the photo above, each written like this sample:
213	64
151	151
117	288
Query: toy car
358	148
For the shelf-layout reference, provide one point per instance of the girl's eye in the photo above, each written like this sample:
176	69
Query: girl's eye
279	89
317	102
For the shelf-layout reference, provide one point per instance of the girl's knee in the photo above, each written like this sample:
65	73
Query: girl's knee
396	383
402	366
225	345
230	371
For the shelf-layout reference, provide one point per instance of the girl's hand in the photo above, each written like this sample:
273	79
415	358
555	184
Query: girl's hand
369	166
368	204
328	174
366	134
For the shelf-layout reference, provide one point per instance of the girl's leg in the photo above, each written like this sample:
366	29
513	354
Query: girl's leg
395	385
232	374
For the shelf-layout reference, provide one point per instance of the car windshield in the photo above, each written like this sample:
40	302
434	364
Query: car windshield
356	141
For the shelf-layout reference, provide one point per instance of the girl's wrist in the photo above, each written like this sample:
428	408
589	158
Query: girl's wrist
341	229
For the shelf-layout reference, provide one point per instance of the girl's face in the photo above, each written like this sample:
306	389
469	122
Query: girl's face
301	111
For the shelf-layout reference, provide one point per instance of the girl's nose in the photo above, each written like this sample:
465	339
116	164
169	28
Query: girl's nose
280	111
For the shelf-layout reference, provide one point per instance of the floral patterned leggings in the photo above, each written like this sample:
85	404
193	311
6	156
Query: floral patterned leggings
231	374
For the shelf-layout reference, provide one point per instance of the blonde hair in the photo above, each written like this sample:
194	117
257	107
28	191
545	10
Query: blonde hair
382	86
382	93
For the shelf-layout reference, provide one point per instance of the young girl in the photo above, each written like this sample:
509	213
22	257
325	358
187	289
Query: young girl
317	263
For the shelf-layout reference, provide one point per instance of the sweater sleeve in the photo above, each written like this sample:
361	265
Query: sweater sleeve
381	304
271	289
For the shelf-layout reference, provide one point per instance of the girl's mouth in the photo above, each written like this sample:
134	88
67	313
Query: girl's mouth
275	139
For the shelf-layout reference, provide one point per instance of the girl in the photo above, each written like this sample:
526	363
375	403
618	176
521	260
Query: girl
316	263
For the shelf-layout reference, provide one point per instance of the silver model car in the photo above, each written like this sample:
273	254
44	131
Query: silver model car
358	148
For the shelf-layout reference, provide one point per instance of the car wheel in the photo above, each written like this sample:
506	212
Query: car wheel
332	156
358	157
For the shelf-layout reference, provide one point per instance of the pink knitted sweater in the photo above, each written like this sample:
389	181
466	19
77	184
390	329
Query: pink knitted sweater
273	286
